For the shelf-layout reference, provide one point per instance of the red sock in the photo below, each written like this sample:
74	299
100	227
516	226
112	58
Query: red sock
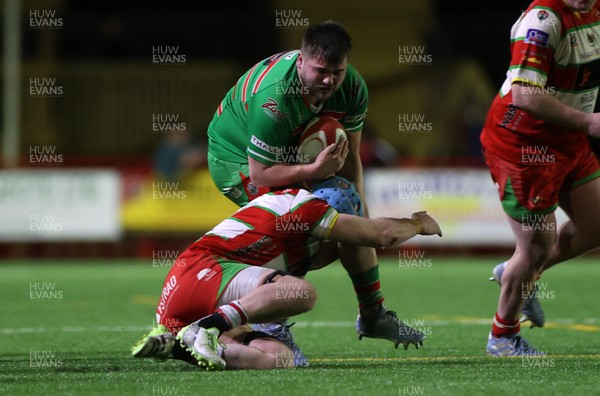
505	328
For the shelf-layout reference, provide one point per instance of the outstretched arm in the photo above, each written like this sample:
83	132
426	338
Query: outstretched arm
382	232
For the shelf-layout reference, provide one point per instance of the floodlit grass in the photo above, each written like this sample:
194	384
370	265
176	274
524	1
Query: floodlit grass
67	329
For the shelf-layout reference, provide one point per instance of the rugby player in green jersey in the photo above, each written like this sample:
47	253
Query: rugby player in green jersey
253	133
252	150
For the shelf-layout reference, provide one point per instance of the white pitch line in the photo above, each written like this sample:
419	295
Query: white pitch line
445	358
318	324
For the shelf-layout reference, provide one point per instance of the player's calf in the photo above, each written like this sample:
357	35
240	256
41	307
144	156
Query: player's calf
532	308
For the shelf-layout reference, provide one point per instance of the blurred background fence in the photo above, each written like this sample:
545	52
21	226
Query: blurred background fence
105	151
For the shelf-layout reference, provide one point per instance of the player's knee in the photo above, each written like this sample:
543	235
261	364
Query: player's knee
305	295
535	248
539	254
310	294
298	293
536	255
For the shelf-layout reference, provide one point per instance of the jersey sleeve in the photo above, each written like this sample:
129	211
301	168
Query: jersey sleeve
322	228
269	128
534	39
358	102
319	217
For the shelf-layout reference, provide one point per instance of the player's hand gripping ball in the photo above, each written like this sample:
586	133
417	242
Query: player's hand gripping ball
320	132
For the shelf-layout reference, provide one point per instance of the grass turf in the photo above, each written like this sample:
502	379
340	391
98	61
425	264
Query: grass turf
67	328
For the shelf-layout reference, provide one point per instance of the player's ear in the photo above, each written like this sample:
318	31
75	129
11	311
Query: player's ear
299	60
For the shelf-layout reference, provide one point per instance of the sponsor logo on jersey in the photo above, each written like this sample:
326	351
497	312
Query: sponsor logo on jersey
273	58
587	102
591	37
250	249
584	77
262	145
206	274
509	115
542	14
535	200
537	37
233	192
588	76
252	189
573	40
356	118
170	285
270	108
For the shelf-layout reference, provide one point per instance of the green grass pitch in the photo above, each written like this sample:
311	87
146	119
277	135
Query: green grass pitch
67	329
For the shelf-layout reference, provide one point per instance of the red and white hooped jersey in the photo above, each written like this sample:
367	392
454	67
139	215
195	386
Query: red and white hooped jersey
556	50
277	230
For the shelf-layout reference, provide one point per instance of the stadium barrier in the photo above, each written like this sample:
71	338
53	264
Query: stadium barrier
71	212
190	205
463	200
44	205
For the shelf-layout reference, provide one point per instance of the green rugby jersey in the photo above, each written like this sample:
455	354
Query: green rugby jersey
267	110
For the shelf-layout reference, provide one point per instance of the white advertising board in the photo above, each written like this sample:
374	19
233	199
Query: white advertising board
59	205
464	201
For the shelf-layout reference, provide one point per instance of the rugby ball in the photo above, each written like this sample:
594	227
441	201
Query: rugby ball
320	132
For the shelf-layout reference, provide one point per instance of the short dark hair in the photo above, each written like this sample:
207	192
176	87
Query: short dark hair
328	40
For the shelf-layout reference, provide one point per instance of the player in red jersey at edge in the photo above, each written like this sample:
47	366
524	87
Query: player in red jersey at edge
237	273
536	145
